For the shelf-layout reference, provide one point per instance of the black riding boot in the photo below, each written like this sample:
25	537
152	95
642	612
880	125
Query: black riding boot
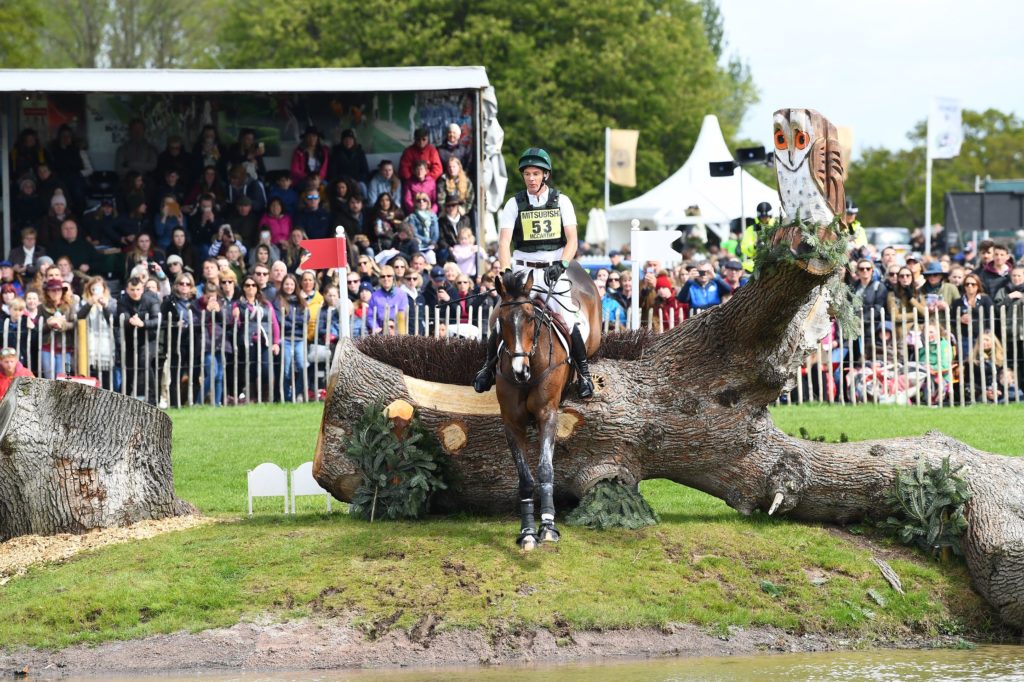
579	359
485	377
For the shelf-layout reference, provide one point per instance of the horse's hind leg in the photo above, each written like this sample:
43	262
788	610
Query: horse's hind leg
516	438
548	424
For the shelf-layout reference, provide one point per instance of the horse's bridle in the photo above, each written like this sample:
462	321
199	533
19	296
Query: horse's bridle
540	317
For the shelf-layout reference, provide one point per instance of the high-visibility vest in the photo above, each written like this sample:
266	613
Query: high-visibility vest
860	237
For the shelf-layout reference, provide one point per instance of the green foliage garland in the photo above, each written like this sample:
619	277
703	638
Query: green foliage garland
928	507
612	504
398	476
832	251
843	307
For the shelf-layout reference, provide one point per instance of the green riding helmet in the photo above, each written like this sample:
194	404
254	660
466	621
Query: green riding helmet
536	157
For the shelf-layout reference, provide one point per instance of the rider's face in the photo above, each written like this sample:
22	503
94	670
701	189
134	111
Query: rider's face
534	178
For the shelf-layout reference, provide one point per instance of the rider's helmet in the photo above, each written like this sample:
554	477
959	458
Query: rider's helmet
764	210
536	157
851	207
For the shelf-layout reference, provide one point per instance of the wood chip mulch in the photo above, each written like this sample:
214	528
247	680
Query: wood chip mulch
18	554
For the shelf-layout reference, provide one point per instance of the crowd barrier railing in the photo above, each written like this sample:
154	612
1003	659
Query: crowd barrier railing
224	358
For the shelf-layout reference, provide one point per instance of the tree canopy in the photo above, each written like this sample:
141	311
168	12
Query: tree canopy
889	186
109	33
562	72
19	42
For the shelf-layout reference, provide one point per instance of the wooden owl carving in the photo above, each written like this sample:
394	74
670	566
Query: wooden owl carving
809	165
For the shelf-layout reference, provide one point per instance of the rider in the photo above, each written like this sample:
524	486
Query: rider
538	232
748	245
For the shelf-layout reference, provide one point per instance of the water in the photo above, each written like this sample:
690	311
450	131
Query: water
983	663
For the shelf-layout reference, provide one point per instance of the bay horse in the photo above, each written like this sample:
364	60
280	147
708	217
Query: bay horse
533	373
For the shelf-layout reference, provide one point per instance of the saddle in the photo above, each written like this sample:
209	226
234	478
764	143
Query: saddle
564	333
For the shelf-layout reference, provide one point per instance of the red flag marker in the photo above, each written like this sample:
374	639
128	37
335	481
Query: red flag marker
324	254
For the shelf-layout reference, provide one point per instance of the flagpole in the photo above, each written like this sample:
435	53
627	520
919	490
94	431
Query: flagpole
928	189
607	165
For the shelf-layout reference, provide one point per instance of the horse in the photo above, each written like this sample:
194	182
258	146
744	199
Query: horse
533	373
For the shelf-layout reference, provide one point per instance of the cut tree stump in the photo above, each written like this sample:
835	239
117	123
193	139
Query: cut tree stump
73	458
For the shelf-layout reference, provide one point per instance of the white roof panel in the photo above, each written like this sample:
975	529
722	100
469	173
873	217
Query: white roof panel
397	79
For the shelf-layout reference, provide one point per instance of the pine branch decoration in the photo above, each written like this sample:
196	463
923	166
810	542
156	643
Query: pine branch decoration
399	477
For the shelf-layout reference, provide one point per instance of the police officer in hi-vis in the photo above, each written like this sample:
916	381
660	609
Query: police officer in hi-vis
538	232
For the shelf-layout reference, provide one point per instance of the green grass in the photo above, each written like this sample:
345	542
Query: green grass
703	564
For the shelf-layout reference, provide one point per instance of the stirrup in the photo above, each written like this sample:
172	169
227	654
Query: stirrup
484	380
548	532
585	385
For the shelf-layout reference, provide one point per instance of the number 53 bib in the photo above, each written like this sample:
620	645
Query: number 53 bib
541	224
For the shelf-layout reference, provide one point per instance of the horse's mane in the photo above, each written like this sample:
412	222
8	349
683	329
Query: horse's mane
514	284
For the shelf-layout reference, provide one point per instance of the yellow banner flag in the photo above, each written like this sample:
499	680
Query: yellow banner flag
622	157
846	144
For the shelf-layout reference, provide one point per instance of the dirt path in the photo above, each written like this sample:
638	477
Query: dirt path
335	644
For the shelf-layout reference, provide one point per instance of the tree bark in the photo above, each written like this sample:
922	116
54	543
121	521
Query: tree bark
73	458
693	409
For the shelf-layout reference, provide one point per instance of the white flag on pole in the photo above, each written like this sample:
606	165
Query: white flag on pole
945	128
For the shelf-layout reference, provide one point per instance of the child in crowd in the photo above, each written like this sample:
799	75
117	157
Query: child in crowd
465	252
282	190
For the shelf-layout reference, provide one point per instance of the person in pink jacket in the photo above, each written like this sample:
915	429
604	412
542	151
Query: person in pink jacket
310	158
420	150
419	183
277	221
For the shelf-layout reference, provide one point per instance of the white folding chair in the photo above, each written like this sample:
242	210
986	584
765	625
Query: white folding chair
303	483
268	480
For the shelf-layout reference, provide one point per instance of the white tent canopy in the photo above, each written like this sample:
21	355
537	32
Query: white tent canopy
664	207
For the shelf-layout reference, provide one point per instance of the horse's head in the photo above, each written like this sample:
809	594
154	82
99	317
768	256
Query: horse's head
516	322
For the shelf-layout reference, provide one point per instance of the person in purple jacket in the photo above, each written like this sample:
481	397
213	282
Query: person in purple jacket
387	301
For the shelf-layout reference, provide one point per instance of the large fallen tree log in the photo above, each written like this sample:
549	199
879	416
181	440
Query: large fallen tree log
73	458
692	406
693	410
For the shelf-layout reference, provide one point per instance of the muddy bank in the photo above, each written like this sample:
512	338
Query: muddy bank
334	644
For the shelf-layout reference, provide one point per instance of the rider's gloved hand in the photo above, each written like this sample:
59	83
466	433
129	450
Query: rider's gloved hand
553	272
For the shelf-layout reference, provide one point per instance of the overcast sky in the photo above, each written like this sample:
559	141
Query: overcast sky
874	65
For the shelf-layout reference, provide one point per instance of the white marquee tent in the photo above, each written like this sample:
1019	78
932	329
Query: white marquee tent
664	207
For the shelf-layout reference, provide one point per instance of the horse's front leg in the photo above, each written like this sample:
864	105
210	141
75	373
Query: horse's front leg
548	429
516	437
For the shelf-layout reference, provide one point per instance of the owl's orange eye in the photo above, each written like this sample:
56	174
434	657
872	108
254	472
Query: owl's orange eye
801	139
780	139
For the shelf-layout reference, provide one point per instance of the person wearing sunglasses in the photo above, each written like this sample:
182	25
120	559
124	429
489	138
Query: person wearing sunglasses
905	304
421	182
312	218
873	294
974	312
387	302
412	284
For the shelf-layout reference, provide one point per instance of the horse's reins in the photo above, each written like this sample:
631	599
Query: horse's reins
540	317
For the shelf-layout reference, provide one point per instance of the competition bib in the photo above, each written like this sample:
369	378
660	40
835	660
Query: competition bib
541	224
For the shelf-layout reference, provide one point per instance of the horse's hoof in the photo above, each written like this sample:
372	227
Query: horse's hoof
549	534
527	543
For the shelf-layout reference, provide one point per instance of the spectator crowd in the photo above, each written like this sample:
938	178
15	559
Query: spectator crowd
177	277
181	265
